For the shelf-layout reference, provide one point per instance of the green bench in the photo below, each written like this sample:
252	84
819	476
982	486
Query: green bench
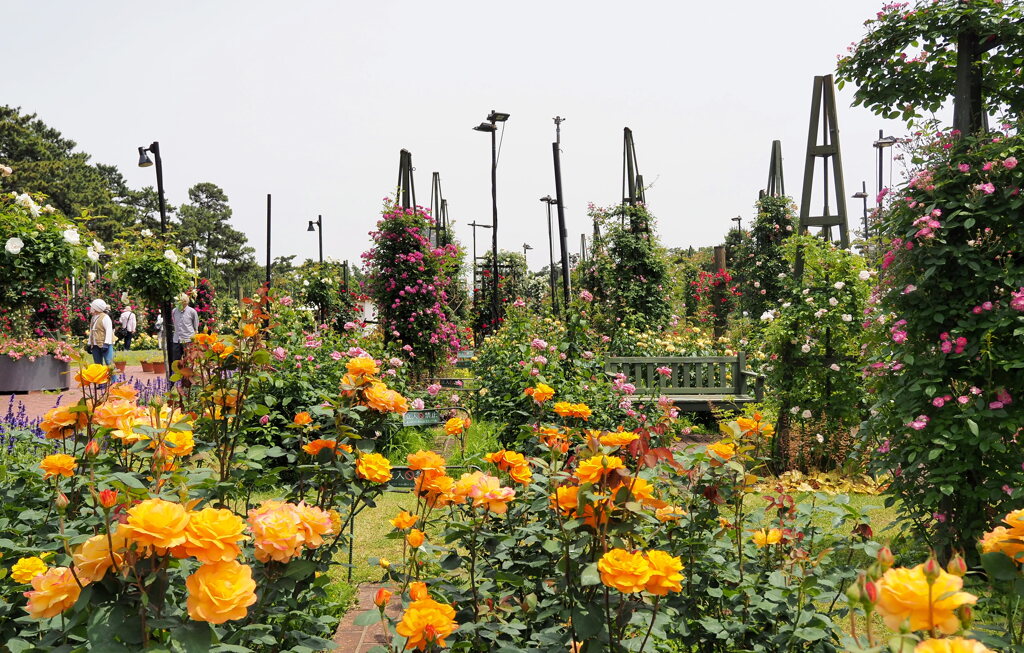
696	383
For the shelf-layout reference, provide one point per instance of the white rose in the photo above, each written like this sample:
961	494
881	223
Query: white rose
71	236
124	298
806	414
786	305
6	171
819	437
91	276
806	290
832	301
864	275
805	348
834	367
767	316
847	317
839	285
146	233
795	409
757	284
48	209
14	245
98	246
170	255
93	255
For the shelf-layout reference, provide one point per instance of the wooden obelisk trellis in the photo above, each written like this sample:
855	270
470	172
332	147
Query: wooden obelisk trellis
823	119
439	212
776	182
406	187
632	180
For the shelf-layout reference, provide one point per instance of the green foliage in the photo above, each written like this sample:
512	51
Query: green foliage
906	65
946	354
221	251
627	273
323	286
155	271
758	262
813	342
514	284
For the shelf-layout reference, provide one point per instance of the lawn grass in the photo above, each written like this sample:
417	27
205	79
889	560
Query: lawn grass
137	356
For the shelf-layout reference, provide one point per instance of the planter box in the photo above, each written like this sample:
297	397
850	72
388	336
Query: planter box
23	375
147	367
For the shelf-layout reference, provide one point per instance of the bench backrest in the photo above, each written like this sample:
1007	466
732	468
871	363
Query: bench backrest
691	375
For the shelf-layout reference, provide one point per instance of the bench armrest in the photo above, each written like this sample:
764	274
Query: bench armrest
758	384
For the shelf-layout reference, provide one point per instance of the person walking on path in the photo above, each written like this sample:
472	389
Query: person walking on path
130	324
185	321
101	333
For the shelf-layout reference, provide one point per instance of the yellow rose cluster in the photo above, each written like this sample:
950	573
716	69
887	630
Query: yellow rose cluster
655	572
282	530
1008	539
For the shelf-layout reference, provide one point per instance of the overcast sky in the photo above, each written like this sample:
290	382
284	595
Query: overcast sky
313	100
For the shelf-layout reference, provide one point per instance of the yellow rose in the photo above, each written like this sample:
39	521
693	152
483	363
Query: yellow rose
24	570
374	467
596	468
58	464
619	438
361	366
94	556
669	513
94	374
454	426
720	450
157	523
624	571
404	520
220	591
764	537
426	622
665	573
53	592
277	531
542	392
905	594
952	645
179	443
314	522
415	538
212	535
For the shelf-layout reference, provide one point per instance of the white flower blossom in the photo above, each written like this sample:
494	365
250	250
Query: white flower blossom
757	284
786	304
820	312
71	236
864	275
795	409
834	367
98	246
93	255
819	437
847	317
839	285
6	171
832	301
805	348
806	414
146	233
767	316
14	245
49	209
170	255
806	290
27	202
91	276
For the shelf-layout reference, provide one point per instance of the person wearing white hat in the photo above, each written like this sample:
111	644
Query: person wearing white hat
101	333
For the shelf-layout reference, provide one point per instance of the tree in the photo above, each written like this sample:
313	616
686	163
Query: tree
914	58
205	227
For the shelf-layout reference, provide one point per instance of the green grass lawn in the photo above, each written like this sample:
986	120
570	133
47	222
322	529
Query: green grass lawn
136	357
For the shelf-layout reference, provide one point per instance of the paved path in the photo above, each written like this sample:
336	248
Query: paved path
351	638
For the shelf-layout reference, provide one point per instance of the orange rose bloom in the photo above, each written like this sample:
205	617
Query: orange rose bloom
755	426
220	591
487	492
1005	541
454	426
905	594
58	464
302	418
156	523
94	374
362	366
374	467
94	556
766	537
227	351
720	450
642	491
427	622
249	330
427	461
619	438
53	592
123	391
665	573
404	520
565	499
315	522
594	469
438	490
212	535
382	597
277	531
542	392
418	591
415	538
521	474
118	414
669	513
179	443
625	571
952	645
59	423
316	446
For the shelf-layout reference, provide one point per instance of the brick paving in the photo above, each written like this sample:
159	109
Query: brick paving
36	404
350	638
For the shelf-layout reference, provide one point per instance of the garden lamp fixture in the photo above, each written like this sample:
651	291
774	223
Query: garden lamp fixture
526	247
165	308
491	126
549	202
318	226
882	143
739	223
144	160
862	194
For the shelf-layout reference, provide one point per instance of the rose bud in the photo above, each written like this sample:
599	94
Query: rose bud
62	501
870	592
957	565
382	597
886	558
108	498
92	449
932	570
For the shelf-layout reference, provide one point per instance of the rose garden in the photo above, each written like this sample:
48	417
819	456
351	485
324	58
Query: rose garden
806	439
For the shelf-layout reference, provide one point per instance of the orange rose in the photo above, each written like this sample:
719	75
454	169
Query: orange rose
58	464
418	591
230	349
619	438
905	594
316	446
53	592
59	423
521	474
383	400
427	622
123	391
220	591
454	426
374	467
415	538
302	418
382	597
765	537
249	330
118	414
642	491
624	571
277	531
665	573
157	523
427	461
95	556
315	522
94	374
719	452
755	426
952	645
437	489
212	535
596	468
565	499
669	513
362	366
179	443
487	492
404	520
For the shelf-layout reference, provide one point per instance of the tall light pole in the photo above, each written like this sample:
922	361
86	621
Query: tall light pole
526	247
882	143
548	201
318	226
165	308
491	126
739	224
862	194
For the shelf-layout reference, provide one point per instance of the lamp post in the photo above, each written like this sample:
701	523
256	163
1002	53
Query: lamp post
862	194
549	201
739	224
475	226
526	247
491	126
165	308
882	143
318	226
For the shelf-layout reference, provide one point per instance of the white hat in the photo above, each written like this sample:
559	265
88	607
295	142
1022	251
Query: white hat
99	306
